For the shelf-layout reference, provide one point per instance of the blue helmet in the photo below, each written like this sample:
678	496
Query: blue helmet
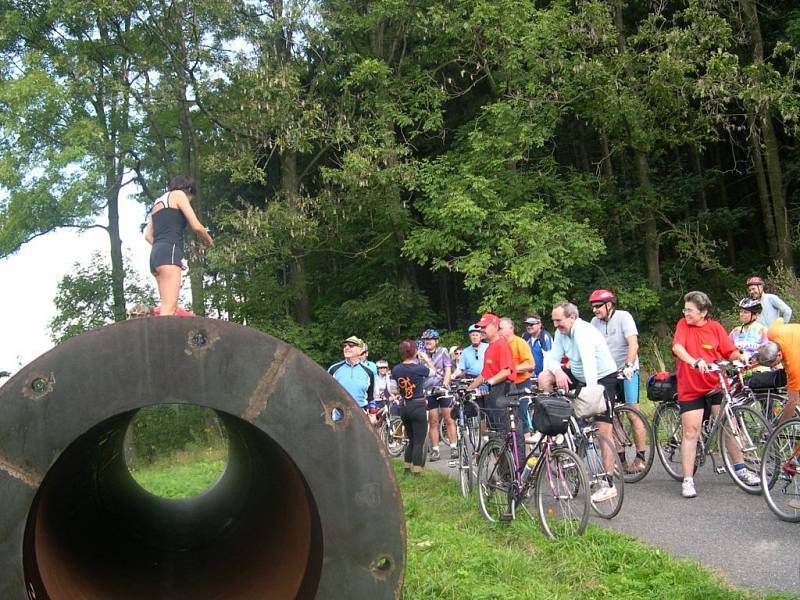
472	328
430	334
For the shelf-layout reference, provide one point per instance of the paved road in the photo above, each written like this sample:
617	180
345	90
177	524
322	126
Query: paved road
733	533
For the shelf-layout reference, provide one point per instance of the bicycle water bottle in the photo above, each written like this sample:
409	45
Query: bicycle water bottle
529	466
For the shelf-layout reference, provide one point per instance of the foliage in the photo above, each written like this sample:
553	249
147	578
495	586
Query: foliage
84	298
160	431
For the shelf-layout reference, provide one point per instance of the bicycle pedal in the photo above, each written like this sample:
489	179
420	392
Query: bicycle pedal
452	464
721	470
506	517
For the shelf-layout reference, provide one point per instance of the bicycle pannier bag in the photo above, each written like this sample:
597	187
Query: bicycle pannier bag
765	380
662	386
590	401
551	415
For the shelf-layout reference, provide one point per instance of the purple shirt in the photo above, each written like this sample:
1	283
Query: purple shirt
441	360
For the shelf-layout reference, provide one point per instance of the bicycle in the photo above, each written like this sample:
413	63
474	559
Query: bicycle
391	428
625	442
745	427
595	449
466	414
780	471
553	471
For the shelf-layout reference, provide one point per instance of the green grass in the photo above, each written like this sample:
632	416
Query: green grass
180	477
454	554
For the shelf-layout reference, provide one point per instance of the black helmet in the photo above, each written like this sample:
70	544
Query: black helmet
754	306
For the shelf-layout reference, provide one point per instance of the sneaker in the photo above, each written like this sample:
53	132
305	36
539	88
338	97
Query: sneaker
604	494
434	455
748	477
453	452
687	489
637	467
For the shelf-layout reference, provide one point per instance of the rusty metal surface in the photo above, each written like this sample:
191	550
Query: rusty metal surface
307	506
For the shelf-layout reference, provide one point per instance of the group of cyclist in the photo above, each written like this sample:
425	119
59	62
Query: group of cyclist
601	354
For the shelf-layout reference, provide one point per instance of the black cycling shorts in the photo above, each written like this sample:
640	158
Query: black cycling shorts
701	403
165	253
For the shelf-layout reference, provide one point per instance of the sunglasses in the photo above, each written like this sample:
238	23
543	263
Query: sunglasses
596	306
532	324
350	345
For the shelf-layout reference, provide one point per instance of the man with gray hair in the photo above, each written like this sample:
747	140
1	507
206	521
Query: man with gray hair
590	363
784	347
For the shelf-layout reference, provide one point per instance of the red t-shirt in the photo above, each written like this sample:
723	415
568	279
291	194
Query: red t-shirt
497	357
708	341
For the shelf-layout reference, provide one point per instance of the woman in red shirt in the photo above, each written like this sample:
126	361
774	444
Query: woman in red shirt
698	342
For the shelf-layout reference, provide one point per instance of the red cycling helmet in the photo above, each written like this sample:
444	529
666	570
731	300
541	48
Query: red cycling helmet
754	281
602	296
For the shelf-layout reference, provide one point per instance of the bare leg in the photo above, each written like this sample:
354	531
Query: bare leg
450	423
691	421
433	427
169	286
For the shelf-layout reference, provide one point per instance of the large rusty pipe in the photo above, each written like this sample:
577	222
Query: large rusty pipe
307	506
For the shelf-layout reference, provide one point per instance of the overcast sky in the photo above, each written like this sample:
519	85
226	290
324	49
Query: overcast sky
30	278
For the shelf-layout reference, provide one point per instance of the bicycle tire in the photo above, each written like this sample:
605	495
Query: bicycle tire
751	439
562	494
780	471
467	470
592	449
771	405
495	480
668	434
394	437
625	441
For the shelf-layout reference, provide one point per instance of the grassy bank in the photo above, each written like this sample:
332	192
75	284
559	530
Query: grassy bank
453	553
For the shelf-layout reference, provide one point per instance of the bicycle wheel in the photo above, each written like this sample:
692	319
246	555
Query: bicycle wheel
562	494
668	433
770	405
748	434
495	480
780	471
395	436
606	487
625	417
467	469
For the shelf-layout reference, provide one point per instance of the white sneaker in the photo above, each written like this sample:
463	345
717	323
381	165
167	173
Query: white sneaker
687	489
604	494
748	477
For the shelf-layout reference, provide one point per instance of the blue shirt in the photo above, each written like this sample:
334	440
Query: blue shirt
773	307
357	379
471	360
539	345
587	351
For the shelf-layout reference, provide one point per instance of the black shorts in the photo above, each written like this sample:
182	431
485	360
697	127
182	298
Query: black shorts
701	403
165	253
437	401
609	383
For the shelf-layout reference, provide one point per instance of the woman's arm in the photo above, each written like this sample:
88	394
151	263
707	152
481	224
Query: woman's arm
148	230
186	208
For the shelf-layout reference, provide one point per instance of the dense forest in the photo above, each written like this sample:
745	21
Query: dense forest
376	167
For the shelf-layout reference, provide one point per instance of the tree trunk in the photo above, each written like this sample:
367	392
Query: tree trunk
723	200
697	169
297	268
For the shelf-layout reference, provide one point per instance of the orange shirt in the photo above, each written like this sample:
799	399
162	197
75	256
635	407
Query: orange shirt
520	352
787	336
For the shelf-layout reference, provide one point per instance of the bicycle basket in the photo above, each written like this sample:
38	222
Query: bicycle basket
662	386
551	415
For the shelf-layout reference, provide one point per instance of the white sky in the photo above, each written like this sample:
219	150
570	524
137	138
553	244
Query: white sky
30	278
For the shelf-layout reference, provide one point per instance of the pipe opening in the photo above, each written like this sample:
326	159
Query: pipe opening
189	439
94	532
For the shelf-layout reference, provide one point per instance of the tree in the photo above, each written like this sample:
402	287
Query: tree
85	298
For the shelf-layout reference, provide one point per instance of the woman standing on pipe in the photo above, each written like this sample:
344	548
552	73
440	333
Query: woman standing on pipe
164	231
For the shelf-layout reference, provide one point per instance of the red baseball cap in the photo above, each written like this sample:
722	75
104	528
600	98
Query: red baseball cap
488	319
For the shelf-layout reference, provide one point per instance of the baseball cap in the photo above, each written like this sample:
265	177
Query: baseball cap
355	340
488	319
